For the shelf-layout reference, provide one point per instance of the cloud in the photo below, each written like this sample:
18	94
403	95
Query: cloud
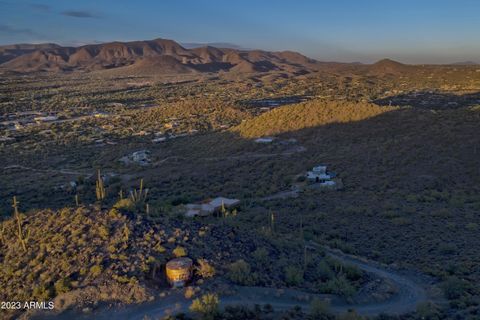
79	14
40	7
7	30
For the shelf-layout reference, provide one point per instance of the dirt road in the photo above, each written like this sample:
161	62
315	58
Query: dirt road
410	291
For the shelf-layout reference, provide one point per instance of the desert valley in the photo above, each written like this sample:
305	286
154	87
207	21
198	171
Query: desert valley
289	188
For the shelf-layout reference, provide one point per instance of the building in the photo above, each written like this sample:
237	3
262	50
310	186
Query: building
45	119
159	139
210	207
141	157
218	202
320	175
179	271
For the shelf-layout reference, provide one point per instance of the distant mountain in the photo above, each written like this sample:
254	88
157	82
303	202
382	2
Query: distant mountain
12	51
388	66
225	45
159	56
465	63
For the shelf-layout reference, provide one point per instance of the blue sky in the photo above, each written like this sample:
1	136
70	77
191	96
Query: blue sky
421	31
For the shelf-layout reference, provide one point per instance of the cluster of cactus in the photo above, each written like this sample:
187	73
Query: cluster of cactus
140	195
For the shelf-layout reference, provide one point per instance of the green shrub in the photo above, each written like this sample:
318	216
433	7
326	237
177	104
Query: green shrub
206	306
454	288
240	273
125	204
319	310
62	285
179	252
204	269
293	276
96	270
340	286
428	311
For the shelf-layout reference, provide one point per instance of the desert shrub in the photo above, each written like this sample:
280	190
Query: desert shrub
472	226
189	292
96	270
42	292
240	312
124	204
319	310
240	273
350	315
205	269
103	232
62	286
323	271
352	272
340	286
454	288
428	311
179	252
293	276
261	256
206	306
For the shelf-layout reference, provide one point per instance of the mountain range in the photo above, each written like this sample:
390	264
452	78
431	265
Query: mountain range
167	57
152	56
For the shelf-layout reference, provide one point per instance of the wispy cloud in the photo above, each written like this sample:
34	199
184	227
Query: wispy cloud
8	30
80	14
40	7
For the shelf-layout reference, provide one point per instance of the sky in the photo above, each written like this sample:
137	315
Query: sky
410	31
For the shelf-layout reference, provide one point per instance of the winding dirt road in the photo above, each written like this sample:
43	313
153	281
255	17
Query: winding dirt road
410	291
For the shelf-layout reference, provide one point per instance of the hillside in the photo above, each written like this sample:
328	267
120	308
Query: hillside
307	115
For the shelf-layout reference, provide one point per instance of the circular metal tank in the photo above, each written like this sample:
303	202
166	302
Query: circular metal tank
179	271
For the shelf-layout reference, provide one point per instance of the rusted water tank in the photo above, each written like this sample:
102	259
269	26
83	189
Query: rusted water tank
179	271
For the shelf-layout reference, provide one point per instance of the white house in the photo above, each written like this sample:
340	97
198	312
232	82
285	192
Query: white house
319	175
320	169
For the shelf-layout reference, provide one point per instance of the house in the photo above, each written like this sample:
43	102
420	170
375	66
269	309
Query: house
218	202
210	207
202	209
141	157
45	119
319	175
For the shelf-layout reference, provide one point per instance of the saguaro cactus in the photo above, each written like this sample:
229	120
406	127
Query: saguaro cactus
21	235
100	188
